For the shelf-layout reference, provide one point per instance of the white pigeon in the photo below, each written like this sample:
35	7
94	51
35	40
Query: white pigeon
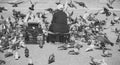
116	18
16	55
30	61
103	62
91	47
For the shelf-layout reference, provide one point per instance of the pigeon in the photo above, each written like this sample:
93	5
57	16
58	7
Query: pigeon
2	17
9	53
63	47
119	50
70	14
116	19
74	21
51	59
111	1
26	52
75	51
16	14
106	54
118	39
82	4
2	9
15	4
104	40
94	61
97	61
40	41
71	19
32	5
114	14
50	10
16	56
96	13
109	6
22	15
1	50
106	12
90	48
2	62
43	16
112	22
82	19
116	30
58	2
30	61
72	5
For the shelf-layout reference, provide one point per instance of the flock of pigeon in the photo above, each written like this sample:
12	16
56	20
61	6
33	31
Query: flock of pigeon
85	28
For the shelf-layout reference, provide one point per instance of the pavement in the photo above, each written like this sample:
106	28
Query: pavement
40	56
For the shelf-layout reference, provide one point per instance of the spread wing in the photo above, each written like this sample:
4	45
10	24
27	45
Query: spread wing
20	2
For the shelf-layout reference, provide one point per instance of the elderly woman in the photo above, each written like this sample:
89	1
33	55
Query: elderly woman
59	24
59	21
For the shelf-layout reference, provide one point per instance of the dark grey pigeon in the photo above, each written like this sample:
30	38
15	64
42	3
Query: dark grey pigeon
58	2
2	9
72	5
15	4
2	62
114	14
51	59
104	40
109	6
82	4
32	7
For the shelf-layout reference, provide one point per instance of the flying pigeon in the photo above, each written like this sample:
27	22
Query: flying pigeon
82	19
1	50
2	9
51	59
109	6
32	5
50	10
58	2
106	12
81	4
111	1
72	5
96	13
70	16
16	55
15	4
